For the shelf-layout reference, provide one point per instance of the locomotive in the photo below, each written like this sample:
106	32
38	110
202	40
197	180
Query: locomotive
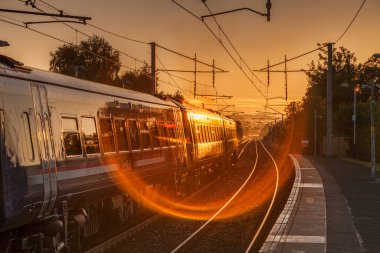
64	141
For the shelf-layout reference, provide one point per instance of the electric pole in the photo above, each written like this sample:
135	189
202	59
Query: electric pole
153	87
329	100
286	81
268	73
195	75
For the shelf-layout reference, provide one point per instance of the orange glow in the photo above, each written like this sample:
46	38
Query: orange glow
256	194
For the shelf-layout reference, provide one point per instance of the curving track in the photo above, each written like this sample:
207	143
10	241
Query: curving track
239	224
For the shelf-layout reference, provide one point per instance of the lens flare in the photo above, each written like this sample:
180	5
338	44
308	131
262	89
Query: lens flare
159	195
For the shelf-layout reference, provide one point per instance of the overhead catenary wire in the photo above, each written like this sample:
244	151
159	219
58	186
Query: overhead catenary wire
139	41
318	48
352	21
13	19
179	77
184	90
292	58
176	84
79	31
190	58
224	46
99	28
46	4
65	42
230	42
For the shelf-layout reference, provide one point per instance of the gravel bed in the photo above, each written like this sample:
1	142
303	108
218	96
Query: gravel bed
226	235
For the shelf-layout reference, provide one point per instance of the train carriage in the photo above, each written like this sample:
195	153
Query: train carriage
66	145
62	139
211	142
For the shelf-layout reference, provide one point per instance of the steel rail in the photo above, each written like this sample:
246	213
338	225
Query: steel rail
270	206
225	205
104	246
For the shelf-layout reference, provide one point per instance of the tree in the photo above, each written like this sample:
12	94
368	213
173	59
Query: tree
139	80
177	96
93	59
344	71
368	72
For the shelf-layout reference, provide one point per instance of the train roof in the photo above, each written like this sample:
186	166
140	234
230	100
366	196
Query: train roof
13	69
195	109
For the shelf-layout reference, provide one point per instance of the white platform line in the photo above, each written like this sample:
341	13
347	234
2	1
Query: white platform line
297	239
311	185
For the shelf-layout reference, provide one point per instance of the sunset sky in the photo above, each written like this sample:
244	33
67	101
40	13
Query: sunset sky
296	27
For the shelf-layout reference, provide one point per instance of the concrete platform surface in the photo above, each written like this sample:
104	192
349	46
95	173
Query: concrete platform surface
333	207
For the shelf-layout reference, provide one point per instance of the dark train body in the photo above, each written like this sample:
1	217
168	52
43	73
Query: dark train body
64	140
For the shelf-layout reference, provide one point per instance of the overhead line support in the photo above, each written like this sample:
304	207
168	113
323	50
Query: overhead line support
268	6
195	75
286	81
153	68
188	57
60	15
268	73
191	71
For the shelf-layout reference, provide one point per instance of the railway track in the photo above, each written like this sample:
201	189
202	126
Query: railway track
163	233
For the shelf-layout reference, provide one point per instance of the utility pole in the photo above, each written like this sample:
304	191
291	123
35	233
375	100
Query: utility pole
268	73
329	100
275	133
213	73
153	87
195	75
315	132
286	81
373	136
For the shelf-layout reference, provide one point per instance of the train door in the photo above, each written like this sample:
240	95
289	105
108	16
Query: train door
46	148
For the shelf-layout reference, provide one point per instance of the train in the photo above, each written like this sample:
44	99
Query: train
64	141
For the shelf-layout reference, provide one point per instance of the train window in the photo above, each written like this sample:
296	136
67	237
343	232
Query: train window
207	134
154	134
198	133
107	135
170	115
171	133
121	135
134	134
28	135
71	138
161	134
204	136
203	132
90	135
144	135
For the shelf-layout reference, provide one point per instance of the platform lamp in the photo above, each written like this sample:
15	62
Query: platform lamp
3	43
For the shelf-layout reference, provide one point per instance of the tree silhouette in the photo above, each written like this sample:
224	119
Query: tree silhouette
139	80
93	59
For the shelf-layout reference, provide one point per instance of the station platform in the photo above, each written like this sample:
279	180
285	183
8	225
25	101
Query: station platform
334	206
